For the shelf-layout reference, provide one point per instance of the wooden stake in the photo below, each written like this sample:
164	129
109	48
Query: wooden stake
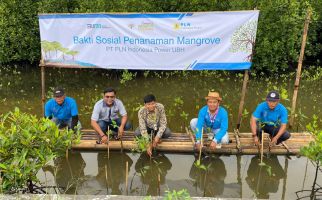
106	179
126	176
191	136
201	144
236	134
299	66
108	142
242	99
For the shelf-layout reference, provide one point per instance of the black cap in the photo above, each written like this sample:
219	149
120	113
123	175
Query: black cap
58	92
273	96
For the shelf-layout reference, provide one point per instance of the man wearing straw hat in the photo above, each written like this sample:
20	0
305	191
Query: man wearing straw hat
270	116
213	119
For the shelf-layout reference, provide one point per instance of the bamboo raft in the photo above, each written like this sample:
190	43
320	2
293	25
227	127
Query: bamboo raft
240	143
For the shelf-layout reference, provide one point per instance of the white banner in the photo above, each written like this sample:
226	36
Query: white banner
154	41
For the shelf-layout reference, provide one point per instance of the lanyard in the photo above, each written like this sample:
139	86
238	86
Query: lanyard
213	117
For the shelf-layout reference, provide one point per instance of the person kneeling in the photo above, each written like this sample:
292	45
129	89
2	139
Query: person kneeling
212	118
152	120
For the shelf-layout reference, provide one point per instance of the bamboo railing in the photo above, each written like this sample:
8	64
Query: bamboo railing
240	143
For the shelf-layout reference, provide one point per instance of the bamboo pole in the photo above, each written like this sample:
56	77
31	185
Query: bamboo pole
191	136
106	180
242	99
108	142
126	176
299	66
201	144
130	134
236	131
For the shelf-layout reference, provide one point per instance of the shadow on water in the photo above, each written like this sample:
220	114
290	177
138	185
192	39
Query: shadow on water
152	173
212	180
224	177
264	179
112	172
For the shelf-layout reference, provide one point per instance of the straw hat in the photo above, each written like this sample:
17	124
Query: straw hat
213	95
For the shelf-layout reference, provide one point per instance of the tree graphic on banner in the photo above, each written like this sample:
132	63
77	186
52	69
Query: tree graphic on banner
243	39
47	47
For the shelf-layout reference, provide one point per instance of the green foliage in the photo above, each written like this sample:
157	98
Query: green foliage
177	195
19	32
245	113
184	115
142	144
314	150
27	144
127	76
178	102
200	166
278	39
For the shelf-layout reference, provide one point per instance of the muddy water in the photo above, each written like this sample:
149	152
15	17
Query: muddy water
183	95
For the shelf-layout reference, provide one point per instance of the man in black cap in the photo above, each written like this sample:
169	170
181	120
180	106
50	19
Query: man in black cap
271	116
62	109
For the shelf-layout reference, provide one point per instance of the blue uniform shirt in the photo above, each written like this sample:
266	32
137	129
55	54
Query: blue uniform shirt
63	112
220	122
274	117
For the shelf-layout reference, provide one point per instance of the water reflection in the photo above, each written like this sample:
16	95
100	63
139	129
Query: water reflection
111	172
212	180
152	172
264	179
68	172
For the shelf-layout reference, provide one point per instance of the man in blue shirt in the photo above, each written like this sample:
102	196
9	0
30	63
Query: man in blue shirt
213	119
62	110
270	116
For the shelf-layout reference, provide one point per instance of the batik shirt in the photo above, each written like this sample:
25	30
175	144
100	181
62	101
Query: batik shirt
154	120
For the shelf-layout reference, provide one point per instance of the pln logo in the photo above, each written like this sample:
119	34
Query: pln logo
185	26
96	26
176	26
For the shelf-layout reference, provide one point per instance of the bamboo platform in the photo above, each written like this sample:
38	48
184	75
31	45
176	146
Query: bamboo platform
240	143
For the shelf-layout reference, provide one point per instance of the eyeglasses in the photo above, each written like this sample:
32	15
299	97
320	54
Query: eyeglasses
109	97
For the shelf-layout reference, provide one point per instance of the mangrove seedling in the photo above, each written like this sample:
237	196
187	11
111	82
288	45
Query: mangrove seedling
176	195
26	145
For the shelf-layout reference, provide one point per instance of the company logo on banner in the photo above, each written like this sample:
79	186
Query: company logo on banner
154	41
